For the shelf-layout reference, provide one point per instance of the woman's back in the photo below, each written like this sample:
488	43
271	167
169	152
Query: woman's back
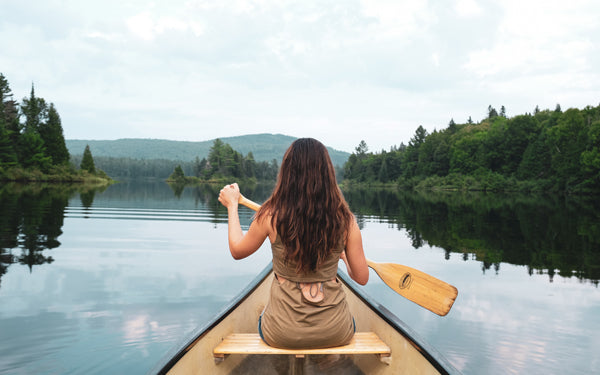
311	228
306	310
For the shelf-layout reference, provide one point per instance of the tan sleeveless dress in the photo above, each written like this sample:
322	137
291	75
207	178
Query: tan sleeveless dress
291	321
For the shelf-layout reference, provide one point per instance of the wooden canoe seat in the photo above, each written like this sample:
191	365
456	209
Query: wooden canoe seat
251	343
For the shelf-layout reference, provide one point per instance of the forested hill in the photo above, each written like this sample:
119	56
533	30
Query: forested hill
264	147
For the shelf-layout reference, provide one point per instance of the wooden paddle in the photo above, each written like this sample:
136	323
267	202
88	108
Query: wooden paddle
425	290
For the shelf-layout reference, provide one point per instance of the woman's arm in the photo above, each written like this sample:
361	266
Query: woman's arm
354	256
240	245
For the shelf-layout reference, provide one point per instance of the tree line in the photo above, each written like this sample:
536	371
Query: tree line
225	162
547	150
32	143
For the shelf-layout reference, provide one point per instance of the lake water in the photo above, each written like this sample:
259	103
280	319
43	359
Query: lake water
106	282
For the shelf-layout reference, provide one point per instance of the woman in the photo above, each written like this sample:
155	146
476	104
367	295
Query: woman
310	227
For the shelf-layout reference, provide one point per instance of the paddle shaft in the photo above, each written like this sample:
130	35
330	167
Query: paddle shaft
425	290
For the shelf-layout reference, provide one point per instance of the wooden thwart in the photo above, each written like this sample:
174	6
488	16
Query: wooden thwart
251	343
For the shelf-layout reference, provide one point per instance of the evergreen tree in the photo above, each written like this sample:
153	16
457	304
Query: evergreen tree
203	168
198	167
503	111
383	175
362	149
215	156
8	157
178	174
350	168
568	140
249	165
452	125
87	162
411	155
35	111
51	132
419	137
33	151
9	122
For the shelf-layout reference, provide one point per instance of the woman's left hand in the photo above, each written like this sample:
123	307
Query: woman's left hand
230	195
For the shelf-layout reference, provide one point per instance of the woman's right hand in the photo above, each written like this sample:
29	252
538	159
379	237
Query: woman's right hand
230	195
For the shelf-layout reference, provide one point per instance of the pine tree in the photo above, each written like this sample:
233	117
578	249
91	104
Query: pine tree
9	125
178	176
362	149
87	161
51	132
8	157
33	152
452	126
197	167
35	111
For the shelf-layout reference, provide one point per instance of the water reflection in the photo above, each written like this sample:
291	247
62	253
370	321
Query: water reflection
139	266
547	234
32	219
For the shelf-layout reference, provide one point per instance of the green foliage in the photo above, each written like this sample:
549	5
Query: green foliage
536	159
51	132
87	162
35	111
34	150
549	151
590	158
567	141
8	118
8	156
177	176
225	162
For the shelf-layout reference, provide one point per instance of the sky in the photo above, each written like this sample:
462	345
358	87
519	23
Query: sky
338	71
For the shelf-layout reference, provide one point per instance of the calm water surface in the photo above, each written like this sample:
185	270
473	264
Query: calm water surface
107	282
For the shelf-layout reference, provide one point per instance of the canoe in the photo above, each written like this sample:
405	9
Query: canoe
409	353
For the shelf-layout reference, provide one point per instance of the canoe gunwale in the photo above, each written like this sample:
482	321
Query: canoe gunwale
182	347
433	356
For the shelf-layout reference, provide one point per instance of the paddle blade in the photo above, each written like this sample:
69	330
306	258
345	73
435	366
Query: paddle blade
425	290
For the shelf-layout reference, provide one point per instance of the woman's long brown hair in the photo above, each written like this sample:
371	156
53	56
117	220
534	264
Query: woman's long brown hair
307	207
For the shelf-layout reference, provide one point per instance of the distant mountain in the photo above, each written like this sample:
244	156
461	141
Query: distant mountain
264	147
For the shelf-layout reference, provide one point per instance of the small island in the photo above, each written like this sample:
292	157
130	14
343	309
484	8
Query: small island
224	164
32	144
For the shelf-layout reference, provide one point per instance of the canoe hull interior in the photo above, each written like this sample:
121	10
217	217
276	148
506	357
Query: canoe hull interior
195	355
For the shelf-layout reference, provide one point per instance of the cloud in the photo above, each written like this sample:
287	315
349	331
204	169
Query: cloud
467	8
255	66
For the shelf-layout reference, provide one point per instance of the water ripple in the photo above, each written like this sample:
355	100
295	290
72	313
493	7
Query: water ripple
148	214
